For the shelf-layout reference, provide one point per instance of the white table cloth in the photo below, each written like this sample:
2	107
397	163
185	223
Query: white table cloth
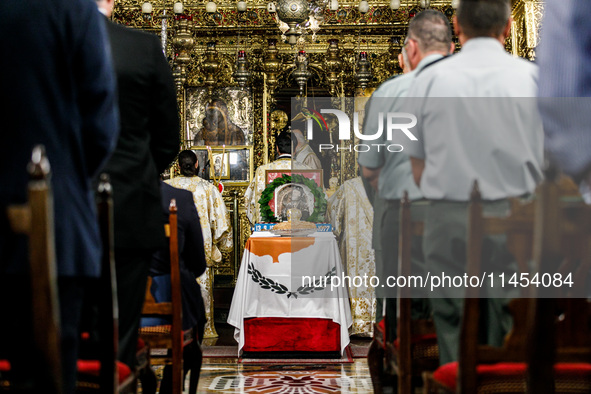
269	282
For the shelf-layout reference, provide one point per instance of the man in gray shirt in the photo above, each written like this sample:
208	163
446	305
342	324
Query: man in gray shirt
428	41
475	122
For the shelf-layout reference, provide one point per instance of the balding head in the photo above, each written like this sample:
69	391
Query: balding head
428	33
431	30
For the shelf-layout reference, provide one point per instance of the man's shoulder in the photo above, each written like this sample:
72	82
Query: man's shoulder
210	187
175	192
518	63
353	183
463	60
394	85
280	163
125	33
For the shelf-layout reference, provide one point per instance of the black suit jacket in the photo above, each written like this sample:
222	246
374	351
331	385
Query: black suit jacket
191	256
58	90
149	138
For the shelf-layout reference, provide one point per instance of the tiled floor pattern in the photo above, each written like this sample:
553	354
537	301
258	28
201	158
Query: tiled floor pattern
229	376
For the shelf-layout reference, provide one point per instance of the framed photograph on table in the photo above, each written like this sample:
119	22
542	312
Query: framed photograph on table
286	189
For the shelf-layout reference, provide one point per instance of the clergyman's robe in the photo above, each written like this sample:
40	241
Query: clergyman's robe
351	216
217	234
308	157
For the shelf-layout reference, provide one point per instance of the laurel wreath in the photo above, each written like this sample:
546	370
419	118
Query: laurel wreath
278	288
317	215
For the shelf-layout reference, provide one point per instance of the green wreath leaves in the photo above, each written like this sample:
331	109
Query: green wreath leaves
317	216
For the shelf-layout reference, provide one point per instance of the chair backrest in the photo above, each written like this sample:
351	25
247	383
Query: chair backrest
518	227
35	219
407	327
108	321
560	317
172	309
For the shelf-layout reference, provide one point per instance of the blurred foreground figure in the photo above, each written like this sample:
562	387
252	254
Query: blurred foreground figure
57	78
564	56
148	143
462	135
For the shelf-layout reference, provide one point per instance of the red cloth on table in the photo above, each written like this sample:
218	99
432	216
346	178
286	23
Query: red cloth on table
291	334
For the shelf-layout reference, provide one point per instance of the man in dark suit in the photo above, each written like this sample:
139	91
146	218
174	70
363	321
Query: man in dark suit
148	143
191	259
57	79
192	265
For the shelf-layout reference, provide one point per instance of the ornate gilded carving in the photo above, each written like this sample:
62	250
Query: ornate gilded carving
241	74
363	73
210	66
183	43
271	65
333	65
301	73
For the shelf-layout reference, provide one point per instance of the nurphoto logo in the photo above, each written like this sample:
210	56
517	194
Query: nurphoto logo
394	122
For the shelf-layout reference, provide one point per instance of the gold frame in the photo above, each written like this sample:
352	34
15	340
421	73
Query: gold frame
297	171
216	150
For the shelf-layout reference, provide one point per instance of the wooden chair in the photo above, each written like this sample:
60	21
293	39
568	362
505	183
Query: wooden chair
35	219
375	357
559	351
415	350
171	337
483	368
104	373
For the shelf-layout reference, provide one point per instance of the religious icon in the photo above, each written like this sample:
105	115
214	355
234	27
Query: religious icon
221	165
224	117
217	128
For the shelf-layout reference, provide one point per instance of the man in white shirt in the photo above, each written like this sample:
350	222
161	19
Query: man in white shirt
477	120
428	41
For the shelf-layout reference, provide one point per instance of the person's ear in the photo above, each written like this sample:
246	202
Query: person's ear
507	30
452	48
456	25
413	53
197	165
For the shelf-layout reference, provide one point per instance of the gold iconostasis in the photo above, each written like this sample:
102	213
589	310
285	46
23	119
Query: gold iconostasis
238	65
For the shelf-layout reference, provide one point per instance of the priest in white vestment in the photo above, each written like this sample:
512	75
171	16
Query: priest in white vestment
303	151
215	225
258	183
351	215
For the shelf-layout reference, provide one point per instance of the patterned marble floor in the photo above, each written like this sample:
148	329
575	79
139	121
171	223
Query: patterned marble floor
220	375
223	374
